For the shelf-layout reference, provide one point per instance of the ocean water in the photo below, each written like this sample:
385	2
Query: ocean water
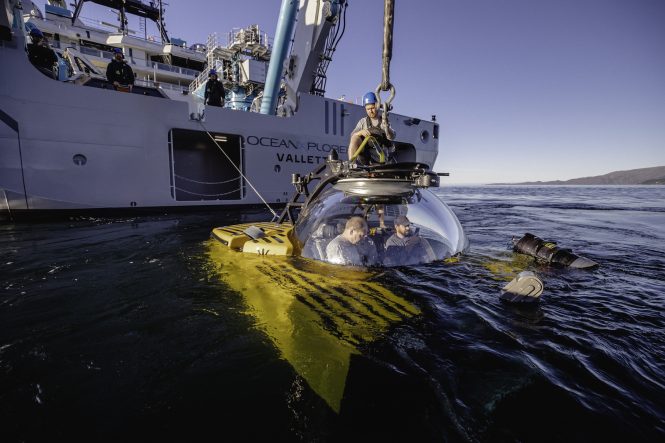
139	329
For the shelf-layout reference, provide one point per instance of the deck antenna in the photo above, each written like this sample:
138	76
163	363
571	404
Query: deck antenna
275	216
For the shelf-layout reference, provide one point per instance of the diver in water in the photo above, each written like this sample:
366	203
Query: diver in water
371	125
352	247
405	247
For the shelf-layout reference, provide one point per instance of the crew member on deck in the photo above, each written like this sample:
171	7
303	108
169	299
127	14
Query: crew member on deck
40	53
214	94
371	125
119	72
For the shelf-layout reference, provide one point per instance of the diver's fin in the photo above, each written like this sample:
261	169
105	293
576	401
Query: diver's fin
524	288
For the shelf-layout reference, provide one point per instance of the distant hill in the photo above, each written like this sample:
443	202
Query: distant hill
642	176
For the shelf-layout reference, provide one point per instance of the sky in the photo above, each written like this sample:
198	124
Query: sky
522	89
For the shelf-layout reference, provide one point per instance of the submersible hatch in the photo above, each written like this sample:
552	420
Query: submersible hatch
379	194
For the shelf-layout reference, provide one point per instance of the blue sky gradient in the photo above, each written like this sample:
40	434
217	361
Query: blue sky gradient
523	89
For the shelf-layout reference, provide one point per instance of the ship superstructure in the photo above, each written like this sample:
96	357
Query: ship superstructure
160	61
66	146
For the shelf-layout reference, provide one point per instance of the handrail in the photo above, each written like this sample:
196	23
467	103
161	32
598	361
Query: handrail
148	63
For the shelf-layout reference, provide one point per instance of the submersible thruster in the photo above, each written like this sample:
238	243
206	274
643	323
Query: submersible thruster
549	252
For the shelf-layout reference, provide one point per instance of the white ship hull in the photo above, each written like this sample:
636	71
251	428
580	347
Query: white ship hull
71	147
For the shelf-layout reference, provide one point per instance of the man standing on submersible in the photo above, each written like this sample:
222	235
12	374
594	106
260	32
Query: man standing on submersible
371	125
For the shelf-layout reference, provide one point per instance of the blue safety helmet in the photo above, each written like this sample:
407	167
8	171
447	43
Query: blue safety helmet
369	99
212	72
35	32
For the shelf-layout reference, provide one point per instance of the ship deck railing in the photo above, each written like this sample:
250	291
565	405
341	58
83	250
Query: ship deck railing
147	63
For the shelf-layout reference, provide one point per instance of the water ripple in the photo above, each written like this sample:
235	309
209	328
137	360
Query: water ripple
121	321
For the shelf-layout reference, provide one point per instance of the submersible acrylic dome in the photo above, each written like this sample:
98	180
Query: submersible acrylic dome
430	219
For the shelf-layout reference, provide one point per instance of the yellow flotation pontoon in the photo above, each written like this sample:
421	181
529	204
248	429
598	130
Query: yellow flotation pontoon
317	315
275	239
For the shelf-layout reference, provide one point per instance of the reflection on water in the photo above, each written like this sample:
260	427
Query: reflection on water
112	326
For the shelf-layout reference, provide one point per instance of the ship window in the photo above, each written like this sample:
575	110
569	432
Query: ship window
200	171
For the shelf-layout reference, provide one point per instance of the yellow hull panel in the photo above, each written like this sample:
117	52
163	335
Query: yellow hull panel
316	314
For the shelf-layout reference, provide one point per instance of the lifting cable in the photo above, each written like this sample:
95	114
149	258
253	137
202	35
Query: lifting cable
385	85
275	215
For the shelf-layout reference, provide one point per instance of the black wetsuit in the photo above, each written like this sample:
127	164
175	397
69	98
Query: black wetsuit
120	71
214	94
43	58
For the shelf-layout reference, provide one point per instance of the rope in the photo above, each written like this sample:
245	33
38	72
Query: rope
361	148
205	183
205	195
274	214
